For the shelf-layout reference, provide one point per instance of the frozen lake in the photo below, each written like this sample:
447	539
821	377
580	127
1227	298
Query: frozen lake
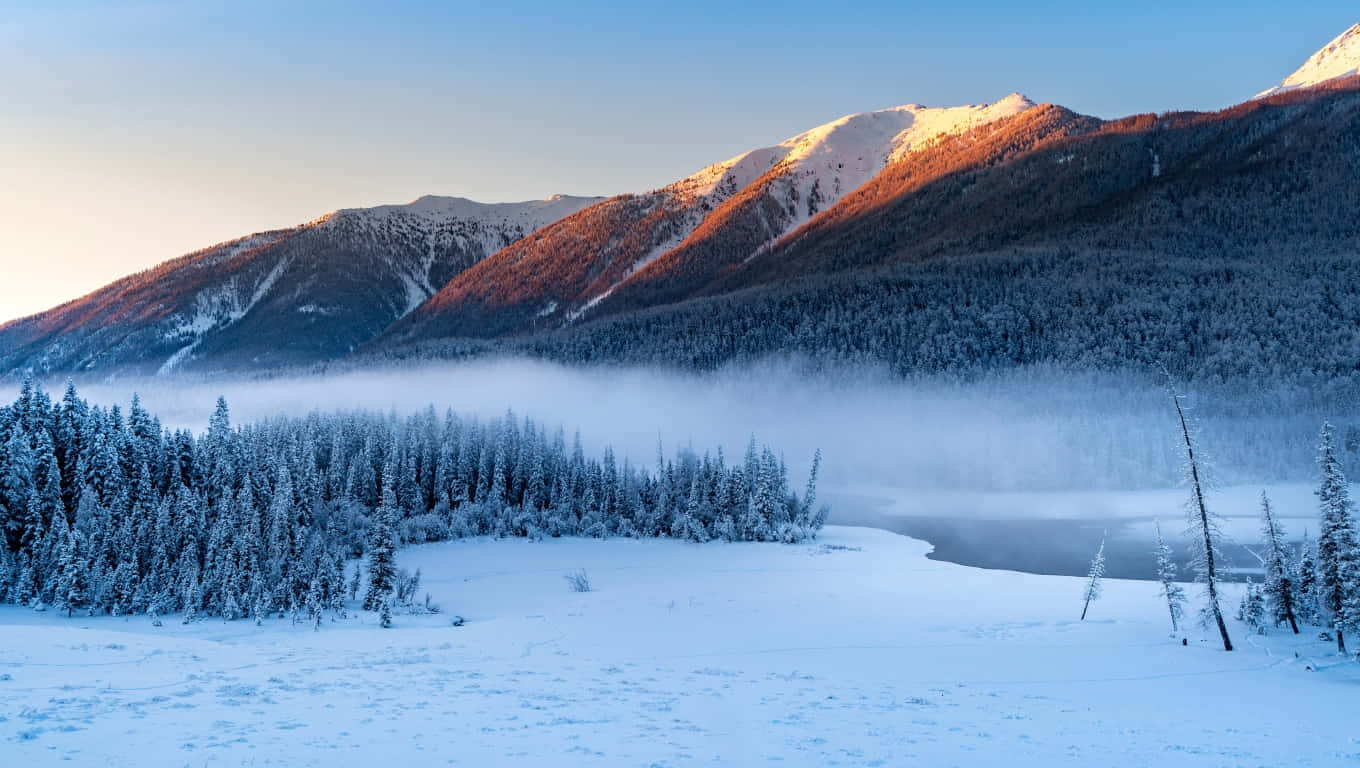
1057	533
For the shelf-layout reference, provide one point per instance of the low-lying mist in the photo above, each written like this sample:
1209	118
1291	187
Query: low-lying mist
1028	430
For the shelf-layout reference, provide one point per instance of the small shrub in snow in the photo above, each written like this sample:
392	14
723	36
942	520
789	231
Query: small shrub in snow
578	581
419	529
405	586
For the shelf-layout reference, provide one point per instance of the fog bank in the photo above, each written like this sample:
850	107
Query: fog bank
1022	431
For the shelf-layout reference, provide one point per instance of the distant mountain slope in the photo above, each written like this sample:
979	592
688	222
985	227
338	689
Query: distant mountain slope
929	239
1339	58
733	208
1221	245
1279	171
313	292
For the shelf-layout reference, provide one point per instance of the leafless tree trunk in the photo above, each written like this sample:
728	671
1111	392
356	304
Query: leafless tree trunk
1202	523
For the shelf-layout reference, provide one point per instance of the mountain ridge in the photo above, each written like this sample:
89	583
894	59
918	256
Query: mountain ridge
556	277
329	285
863	192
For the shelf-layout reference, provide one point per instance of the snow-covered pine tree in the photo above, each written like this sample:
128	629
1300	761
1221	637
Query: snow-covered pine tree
1336	544
381	554
1253	610
193	599
1092	591
1306	576
316	603
1203	529
1171	591
241	520
70	592
1350	606
1279	587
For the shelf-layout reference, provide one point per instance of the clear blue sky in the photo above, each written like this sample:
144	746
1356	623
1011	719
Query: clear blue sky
133	132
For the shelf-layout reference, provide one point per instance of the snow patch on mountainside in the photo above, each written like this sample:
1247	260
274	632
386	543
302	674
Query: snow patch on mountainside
216	309
416	292
234	248
445	220
1339	58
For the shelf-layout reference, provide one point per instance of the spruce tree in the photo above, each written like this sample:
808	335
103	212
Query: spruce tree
1171	591
382	546
1306	576
316	604
70	593
1253	610
1093	577
1280	587
1336	544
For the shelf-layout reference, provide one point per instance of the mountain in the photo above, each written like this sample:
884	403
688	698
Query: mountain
299	295
733	208
1339	58
1222	245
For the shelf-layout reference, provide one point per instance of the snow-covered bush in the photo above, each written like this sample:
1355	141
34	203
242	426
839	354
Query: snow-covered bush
578	581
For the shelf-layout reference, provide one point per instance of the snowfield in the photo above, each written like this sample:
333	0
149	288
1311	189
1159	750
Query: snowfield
854	650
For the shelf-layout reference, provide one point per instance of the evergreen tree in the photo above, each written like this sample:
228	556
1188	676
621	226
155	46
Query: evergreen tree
1166	576
193	599
1306	576
316	603
1253	610
1280	586
1093	577
70	592
382	547
1336	544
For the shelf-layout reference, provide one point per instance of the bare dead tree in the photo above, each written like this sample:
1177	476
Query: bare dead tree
1201	525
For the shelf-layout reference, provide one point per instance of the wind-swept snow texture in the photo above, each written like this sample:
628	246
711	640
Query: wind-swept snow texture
854	650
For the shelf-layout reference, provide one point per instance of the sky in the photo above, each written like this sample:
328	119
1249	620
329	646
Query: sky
131	133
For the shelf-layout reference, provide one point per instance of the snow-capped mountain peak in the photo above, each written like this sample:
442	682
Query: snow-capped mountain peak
531	213
1339	58
852	149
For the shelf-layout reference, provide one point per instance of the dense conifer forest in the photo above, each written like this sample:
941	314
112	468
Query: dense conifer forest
103	510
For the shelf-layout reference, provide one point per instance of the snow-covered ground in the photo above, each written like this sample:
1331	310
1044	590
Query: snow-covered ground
853	650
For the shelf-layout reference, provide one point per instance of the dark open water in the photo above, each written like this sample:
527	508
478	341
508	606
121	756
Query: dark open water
1062	547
